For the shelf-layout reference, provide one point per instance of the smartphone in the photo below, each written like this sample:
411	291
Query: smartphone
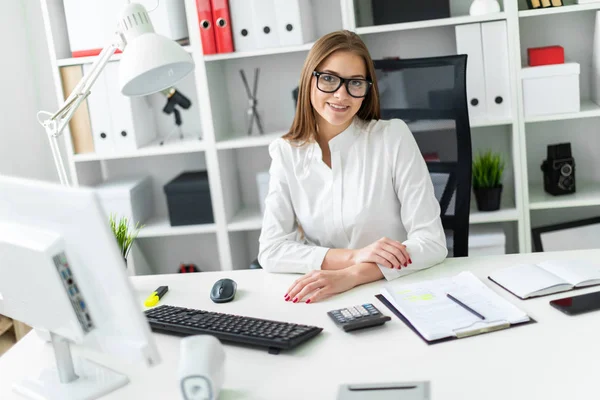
578	304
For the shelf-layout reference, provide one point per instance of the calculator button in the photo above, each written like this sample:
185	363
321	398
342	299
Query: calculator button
355	312
363	311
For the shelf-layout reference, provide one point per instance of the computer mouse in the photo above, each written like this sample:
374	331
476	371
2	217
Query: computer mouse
223	290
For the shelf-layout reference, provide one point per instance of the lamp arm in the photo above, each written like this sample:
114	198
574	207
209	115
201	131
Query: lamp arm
55	123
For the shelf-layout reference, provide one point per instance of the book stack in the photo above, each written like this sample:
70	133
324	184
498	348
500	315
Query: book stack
533	4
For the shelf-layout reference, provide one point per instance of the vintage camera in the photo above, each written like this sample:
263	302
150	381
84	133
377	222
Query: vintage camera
559	170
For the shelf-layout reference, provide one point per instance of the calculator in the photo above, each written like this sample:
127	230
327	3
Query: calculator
358	317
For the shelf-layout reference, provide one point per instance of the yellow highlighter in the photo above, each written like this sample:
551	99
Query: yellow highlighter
153	299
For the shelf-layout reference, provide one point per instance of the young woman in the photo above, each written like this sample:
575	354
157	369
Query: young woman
350	198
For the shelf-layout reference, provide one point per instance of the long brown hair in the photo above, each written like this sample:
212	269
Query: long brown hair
304	127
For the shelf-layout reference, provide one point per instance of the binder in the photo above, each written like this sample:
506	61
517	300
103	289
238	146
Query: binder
80	126
222	26
501	313
207	30
99	112
265	23
132	117
496	69
294	22
244	34
469	42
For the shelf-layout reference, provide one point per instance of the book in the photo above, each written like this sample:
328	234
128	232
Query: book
436	316
79	125
547	277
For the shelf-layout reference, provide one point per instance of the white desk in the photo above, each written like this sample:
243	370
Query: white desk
556	358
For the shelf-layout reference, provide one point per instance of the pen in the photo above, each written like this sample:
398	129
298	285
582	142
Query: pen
463	305
156	296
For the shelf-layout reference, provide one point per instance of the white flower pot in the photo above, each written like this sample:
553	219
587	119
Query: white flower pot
482	7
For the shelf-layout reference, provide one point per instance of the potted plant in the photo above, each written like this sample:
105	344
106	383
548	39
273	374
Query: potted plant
125	237
487	180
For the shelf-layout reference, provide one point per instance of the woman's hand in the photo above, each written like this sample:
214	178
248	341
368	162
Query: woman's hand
387	252
319	285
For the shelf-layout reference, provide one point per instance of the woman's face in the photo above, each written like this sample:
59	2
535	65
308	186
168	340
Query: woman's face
337	108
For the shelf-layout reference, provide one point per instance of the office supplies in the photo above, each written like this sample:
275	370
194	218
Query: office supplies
275	335
358	317
470	42
222	26
264	22
576	305
155	296
551	89
294	20
149	64
201	367
207	28
99	113
252	112
425	307
494	39
546	277
223	290
385	391
463	305
80	126
546	55
244	34
127	197
188	199
56	240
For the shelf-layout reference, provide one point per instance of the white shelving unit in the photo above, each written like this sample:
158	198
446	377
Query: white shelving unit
233	158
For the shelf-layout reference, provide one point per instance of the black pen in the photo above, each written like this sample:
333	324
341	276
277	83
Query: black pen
463	305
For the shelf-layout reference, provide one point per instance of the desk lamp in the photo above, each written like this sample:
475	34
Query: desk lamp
150	63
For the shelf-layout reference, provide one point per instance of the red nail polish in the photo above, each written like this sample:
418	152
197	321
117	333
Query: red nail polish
295	300
409	261
286	296
406	264
307	301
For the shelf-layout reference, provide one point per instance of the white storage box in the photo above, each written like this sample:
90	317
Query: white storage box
262	182
484	240
551	89
130	198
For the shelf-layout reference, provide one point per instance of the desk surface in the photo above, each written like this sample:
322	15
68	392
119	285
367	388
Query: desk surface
556	358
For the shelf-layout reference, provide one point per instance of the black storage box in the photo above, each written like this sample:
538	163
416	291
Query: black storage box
188	199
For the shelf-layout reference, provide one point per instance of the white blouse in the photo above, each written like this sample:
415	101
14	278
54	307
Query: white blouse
378	185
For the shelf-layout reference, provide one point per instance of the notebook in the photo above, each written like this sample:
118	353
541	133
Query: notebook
434	316
547	277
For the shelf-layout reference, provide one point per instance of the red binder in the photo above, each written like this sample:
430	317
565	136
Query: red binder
222	22
207	31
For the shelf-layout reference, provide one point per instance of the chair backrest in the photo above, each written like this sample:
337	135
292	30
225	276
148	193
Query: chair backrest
430	95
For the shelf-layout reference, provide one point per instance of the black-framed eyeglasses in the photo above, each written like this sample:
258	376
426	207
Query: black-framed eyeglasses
330	83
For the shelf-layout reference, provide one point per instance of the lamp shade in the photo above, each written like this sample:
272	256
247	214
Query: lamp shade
150	62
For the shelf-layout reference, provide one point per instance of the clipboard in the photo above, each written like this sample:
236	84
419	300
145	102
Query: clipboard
460	335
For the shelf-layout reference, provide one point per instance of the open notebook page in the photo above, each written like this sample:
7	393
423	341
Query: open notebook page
576	272
526	280
435	316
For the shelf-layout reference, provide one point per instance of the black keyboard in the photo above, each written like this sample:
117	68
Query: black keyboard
275	335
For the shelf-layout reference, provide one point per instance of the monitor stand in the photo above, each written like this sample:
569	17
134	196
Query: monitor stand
62	382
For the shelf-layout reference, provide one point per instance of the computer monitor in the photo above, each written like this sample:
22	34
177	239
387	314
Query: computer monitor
61	272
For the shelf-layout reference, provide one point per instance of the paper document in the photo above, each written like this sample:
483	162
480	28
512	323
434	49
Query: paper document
428	308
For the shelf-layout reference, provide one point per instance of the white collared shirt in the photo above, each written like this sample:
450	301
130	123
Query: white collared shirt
378	186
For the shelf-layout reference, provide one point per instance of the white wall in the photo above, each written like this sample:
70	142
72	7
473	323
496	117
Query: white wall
26	81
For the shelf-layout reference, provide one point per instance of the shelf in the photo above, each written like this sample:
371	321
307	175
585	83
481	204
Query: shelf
559	10
158	227
589	109
174	146
249	141
502	215
248	218
258	53
587	194
65	62
432	23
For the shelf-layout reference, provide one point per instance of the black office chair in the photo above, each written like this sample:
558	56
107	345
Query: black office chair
430	95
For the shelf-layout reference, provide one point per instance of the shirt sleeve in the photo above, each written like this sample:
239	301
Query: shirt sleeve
281	249
420	209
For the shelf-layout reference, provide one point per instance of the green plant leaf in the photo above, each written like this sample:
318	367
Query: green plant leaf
488	169
124	236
